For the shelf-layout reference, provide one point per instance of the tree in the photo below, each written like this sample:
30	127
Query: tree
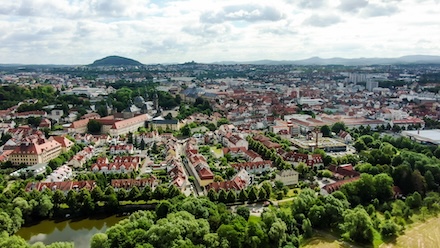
277	233
252	195
243	196
325	130
418	182
212	195
222	196
244	212
338	126
163	208
185	130
45	206
388	228
262	195
134	194
142	144
232	197
357	226
99	240
94	126
307	228
222	121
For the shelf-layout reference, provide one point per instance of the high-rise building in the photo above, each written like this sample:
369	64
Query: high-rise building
371	85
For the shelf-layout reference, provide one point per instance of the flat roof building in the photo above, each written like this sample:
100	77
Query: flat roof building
424	136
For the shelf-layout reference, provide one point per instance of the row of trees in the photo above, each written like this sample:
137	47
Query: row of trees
268	154
198	222
250	194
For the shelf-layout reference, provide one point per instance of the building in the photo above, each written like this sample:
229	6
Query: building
311	160
424	136
35	150
287	177
62	173
240	181
34	170
157	124
233	141
254	167
66	144
79	126
120	149
122	127
370	85
63	186
124	164
141	183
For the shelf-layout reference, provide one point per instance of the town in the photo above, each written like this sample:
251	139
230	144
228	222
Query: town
260	139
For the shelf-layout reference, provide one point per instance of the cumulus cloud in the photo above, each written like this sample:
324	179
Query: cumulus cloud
352	5
322	20
249	13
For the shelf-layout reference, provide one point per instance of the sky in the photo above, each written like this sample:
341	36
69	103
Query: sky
177	31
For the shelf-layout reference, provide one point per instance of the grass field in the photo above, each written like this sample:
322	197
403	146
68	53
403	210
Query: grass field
422	234
321	240
217	152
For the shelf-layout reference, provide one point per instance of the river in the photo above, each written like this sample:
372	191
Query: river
77	231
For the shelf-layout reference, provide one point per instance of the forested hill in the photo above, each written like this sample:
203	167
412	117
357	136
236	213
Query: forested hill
116	61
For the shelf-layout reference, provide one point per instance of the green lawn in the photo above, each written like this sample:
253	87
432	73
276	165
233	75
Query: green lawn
217	152
254	219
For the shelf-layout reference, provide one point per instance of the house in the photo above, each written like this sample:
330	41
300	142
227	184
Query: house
66	144
343	171
254	167
345	136
63	186
79	159
240	181
233	141
62	173
119	149
311	160
124	167
45	123
287	177
141	183
332	187
177	174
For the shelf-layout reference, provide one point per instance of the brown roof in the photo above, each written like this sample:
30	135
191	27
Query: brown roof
63	186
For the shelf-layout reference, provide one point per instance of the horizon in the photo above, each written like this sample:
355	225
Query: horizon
172	31
230	61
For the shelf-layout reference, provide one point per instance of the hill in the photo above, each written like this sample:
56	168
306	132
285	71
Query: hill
412	59
116	61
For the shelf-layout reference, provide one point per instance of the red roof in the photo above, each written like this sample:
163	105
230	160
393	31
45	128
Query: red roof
332	187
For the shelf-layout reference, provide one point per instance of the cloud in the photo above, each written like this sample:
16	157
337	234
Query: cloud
207	29
322	20
249	13
310	4
374	10
352	5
